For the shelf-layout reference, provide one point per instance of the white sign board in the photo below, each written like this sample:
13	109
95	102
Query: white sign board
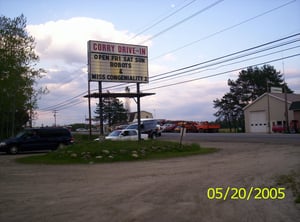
116	62
276	90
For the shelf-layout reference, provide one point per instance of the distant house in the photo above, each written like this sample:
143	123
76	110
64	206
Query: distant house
144	115
271	107
295	107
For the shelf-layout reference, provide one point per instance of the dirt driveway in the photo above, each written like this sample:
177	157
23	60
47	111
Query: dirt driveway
161	190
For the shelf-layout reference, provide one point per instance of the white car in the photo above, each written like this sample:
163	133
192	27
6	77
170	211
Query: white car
81	130
125	134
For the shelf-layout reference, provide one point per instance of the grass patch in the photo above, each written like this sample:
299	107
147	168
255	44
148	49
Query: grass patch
114	151
290	181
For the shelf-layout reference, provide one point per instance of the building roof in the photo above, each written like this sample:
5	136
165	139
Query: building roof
295	105
291	97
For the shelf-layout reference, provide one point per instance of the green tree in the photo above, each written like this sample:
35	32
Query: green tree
18	75
113	111
251	84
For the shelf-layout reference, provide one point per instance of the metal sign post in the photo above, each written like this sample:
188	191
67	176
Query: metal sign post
101	108
89	104
138	110
182	133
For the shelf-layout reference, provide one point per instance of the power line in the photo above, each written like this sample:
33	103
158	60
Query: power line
182	70
163	19
209	36
227	60
71	105
222	73
186	70
229	55
225	29
183	20
62	103
279	51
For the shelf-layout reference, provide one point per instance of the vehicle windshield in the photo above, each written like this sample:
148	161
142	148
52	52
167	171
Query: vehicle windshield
133	126
115	133
20	134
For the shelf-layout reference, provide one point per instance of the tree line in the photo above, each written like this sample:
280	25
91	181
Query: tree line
18	76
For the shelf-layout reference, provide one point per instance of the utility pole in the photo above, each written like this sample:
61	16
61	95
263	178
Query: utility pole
269	112
54	114
286	112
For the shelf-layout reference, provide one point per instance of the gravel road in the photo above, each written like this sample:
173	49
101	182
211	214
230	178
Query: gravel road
160	190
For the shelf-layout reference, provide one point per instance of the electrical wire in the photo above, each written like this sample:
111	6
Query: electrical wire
197	71
189	44
224	30
227	60
71	103
209	63
222	73
48	108
228	55
187	70
182	21
162	19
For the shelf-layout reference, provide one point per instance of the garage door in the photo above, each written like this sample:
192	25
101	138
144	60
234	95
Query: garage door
258	122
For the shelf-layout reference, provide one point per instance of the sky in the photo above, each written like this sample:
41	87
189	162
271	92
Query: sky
178	34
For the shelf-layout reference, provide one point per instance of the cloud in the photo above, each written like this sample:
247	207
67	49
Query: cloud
192	101
66	40
169	57
62	47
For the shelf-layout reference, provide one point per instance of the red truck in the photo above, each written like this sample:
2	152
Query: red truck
201	127
206	127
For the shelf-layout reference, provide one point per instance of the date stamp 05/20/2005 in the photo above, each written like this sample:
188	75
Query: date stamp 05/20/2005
241	193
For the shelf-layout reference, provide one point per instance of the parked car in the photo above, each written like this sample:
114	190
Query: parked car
169	127
125	134
279	129
81	130
48	138
120	127
148	126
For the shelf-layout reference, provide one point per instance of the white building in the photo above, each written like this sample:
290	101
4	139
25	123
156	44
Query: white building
270	108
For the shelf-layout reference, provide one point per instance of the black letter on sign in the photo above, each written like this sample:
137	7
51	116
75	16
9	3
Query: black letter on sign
121	71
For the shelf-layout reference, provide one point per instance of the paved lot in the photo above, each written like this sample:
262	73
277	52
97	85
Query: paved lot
161	190
274	138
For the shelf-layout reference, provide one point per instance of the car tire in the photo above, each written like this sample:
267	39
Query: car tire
153	136
13	150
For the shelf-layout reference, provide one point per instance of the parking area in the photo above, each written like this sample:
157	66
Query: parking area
160	190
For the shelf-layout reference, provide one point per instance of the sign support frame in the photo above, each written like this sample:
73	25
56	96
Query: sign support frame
100	107
138	110
116	62
89	105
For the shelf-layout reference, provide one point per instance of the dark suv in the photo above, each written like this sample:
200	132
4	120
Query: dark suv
48	138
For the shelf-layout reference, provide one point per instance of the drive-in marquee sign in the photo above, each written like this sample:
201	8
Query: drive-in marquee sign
116	62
